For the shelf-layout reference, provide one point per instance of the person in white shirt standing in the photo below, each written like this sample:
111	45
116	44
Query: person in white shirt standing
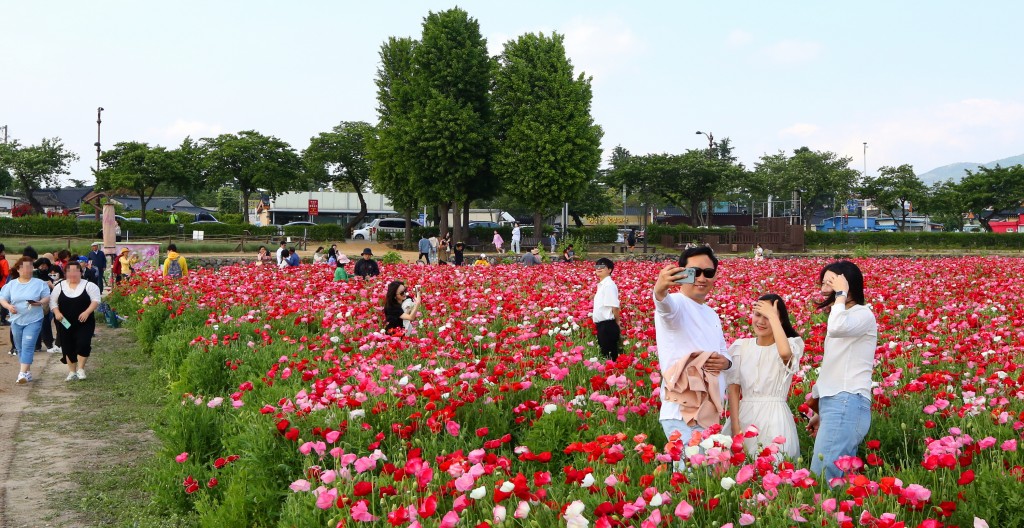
517	234
683	324
841	398
606	309
280	251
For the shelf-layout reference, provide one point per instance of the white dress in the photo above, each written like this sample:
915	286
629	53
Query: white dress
764	381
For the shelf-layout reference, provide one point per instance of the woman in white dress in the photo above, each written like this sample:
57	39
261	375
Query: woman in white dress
759	380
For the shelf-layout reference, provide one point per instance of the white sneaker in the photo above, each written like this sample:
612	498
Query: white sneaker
22	379
51	350
71	377
28	376
81	374
57	349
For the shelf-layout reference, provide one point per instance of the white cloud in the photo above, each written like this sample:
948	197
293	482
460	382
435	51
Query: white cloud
600	46
790	52
182	128
801	130
738	38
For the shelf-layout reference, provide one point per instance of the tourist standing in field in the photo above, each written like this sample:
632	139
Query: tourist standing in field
174	265
606	310
366	267
498	242
319	257
399	310
460	253
444	247
424	246
762	371
24	298
99	261
73	304
631	240
280	252
685	326
841	397
517	236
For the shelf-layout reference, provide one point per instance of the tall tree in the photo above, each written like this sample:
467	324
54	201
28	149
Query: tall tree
451	116
391	151
36	165
991	193
947	205
338	158
549	148
820	178
252	162
139	169
895	191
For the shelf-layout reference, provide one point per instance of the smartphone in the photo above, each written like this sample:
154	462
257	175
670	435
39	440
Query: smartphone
35	303
684	277
65	322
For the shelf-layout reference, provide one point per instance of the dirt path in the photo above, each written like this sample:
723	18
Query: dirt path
47	440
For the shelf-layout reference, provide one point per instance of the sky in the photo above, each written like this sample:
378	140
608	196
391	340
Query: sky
926	83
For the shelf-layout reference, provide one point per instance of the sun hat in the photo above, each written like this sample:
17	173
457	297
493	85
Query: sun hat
483	255
367	251
343	259
97	243
124	250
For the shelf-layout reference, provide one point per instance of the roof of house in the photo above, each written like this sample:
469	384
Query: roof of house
63	197
160	203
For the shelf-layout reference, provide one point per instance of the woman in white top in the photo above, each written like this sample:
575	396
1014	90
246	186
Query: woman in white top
761	374
841	397
73	302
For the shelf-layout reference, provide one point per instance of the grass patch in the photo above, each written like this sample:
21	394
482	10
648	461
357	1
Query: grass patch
115	407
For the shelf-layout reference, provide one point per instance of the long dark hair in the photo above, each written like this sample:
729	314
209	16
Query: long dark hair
853	276
391	298
787	325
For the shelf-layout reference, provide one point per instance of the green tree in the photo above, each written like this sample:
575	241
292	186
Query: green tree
252	162
338	158
450	128
819	178
33	166
392	149
946	205
549	148
895	189
991	193
140	170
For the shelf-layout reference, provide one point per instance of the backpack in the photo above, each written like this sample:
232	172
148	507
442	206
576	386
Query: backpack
174	268
115	268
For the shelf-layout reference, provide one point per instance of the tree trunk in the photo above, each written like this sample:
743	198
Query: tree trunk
456	222
711	210
538	223
577	220
465	219
245	200
407	241
359	217
694	212
25	186
442	213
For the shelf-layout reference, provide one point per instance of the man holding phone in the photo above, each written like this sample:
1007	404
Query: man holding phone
684	324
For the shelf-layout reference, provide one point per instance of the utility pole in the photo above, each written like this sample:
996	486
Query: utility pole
5	133
99	121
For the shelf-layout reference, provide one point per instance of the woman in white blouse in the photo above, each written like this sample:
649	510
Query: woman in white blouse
841	397
760	377
73	302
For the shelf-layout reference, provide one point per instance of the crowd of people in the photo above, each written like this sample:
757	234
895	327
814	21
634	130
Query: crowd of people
49	303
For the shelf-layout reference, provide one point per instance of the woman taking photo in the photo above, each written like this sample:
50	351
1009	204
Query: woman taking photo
73	302
399	310
24	298
762	371
841	398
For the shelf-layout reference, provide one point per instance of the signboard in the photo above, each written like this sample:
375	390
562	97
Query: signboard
851	206
422	219
314	207
198	235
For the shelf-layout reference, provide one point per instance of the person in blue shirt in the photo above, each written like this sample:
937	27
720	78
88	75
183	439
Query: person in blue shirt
293	258
24	298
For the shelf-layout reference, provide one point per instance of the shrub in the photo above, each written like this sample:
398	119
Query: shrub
391	257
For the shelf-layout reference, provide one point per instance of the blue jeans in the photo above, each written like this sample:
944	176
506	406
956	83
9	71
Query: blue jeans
845	419
669	426
25	338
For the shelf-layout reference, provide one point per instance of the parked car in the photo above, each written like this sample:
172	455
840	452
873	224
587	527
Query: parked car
304	223
370	230
488	225
205	218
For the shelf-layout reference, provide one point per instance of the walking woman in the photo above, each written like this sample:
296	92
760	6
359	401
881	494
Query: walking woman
841	398
758	382
73	302
24	298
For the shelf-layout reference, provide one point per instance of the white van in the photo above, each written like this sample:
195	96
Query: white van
387	225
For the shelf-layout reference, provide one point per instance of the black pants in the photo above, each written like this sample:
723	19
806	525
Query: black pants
608	336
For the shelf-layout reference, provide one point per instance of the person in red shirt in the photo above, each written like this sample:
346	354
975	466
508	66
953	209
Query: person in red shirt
5	271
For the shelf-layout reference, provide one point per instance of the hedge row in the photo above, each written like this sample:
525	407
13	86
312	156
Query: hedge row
918	240
604	234
67	226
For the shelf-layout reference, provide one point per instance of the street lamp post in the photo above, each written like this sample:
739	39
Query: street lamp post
711	140
99	111
865	173
5	133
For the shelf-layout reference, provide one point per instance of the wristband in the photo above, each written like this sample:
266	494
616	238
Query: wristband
840	293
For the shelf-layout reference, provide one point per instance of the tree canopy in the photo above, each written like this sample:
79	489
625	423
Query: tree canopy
992	192
140	170
895	191
34	166
253	162
339	159
820	178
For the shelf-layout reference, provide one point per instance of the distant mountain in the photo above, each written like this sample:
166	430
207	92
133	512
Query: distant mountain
955	171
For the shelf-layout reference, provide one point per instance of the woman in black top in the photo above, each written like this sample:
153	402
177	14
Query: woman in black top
460	250
397	318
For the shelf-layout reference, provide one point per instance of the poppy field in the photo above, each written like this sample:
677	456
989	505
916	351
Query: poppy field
287	406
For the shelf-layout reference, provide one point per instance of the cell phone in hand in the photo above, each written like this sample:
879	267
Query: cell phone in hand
64	321
684	277
35	303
